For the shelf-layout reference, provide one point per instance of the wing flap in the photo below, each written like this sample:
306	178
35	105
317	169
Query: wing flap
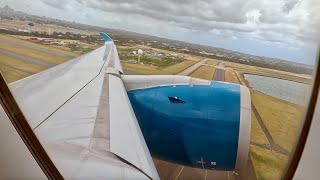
40	95
126	139
78	111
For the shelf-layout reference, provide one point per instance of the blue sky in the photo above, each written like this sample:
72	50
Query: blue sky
284	29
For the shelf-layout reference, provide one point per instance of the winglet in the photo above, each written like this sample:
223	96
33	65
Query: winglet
105	37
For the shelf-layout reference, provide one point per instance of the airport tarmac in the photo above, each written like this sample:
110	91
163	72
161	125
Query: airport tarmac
219	74
192	68
26	58
18	42
171	171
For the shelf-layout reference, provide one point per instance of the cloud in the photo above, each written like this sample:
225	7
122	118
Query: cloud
279	21
289	5
55	4
291	23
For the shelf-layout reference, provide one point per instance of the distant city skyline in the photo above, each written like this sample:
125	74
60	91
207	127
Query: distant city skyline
279	29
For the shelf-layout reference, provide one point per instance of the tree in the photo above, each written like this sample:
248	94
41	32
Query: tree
31	24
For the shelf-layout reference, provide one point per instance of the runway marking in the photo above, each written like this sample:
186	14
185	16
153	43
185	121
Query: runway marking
205	176
179	173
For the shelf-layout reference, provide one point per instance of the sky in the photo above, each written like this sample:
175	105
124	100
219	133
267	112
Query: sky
284	29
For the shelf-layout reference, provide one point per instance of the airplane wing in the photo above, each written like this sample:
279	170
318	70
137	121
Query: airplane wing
83	118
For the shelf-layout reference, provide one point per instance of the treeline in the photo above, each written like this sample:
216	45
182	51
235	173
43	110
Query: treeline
57	35
277	64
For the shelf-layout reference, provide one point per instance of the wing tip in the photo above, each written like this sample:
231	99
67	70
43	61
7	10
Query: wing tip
105	37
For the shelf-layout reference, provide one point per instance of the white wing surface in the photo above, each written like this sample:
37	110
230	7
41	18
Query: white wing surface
81	114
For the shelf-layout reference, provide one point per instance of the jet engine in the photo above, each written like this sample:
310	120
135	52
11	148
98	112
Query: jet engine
193	122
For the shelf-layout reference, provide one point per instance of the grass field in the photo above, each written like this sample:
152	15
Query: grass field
213	62
230	76
267	165
12	74
40	27
20	65
14	69
33	53
283	119
49	48
142	69
269	72
174	69
186	56
257	136
204	72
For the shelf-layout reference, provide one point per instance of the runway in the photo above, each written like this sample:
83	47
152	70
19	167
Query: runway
27	45
219	74
26	58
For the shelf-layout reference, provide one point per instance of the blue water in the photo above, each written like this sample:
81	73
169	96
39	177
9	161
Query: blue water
294	92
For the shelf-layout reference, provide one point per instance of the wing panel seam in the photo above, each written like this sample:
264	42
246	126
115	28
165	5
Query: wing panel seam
77	91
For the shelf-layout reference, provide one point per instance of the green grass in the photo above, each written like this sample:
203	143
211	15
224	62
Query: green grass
160	63
204	72
282	119
268	165
257	134
82	50
142	69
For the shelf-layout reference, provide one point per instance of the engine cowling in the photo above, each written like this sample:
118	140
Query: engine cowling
204	125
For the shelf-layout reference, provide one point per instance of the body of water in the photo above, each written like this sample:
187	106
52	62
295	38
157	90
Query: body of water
297	93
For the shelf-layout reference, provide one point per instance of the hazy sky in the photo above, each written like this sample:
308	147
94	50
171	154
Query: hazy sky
285	29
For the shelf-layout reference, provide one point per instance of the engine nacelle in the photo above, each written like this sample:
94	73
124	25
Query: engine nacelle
193	122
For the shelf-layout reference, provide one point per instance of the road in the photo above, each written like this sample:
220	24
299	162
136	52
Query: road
192	68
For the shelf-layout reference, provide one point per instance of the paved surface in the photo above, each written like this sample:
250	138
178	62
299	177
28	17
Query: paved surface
170	171
219	74
192	68
26	58
173	171
21	43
